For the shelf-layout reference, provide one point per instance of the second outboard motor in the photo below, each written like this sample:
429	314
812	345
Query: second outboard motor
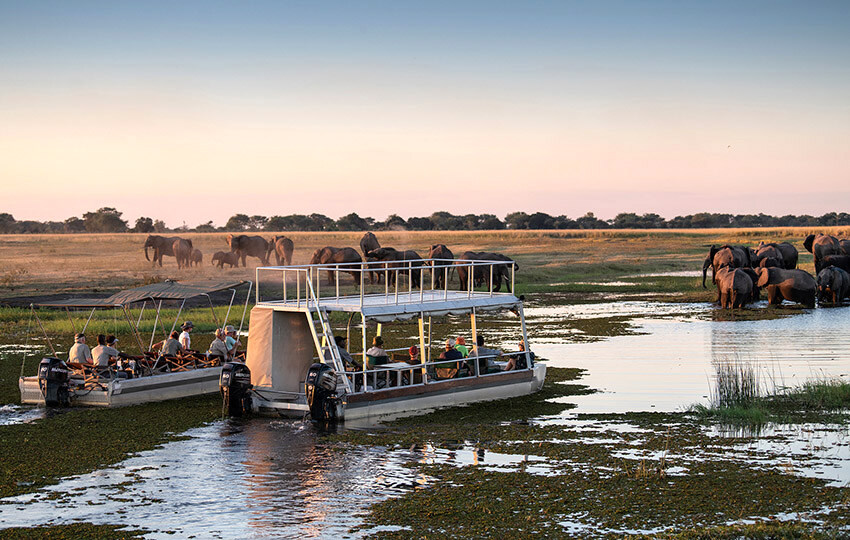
235	386
53	377
320	388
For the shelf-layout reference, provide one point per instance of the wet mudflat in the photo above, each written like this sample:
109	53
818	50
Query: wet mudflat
625	459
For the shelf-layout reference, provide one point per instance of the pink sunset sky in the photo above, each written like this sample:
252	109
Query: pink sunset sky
196	112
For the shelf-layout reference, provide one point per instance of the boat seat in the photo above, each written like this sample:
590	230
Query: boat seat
179	363
90	374
446	372
211	360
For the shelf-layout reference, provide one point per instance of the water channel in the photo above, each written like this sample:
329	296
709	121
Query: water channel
265	478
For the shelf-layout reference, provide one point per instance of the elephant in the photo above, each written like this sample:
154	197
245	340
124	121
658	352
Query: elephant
732	256
244	245
225	257
162	245
282	248
182	250
388	254
794	285
441	275
735	287
196	258
756	294
788	251
768	255
833	285
482	272
840	261
820	246
845	246
368	243
331	255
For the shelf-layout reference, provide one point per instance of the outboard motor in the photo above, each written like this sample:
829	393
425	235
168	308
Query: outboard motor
235	385
320	388
53	377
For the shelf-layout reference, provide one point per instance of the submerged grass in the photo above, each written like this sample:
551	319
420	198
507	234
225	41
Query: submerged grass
77	441
75	531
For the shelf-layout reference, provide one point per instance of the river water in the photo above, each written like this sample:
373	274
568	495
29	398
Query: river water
264	478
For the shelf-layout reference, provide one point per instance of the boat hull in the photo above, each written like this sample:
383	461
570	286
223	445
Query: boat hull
121	392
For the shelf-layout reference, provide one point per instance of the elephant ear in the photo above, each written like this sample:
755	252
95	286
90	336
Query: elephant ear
712	252
807	243
764	277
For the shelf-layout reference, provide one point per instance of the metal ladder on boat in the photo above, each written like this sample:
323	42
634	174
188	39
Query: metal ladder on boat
320	328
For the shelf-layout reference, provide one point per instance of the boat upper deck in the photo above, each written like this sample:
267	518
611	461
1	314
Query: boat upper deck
397	290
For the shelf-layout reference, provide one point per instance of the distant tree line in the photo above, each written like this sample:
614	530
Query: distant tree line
108	220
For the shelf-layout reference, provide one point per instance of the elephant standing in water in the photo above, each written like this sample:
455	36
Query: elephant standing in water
839	261
368	243
731	256
183	252
820	246
833	285
441	273
789	253
794	285
399	259
734	287
768	255
161	245
282	248
244	245
330	255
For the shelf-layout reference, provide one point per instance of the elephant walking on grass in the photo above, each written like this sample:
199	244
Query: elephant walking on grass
368	243
794	285
161	245
399	259
481	273
183	252
244	245
441	273
331	255
833	285
282	248
225	257
197	257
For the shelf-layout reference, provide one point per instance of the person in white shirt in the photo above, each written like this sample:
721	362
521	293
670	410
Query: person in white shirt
186	339
80	352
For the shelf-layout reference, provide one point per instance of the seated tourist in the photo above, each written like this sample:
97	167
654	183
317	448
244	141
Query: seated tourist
486	362
218	347
231	340
80	352
517	361
170	346
460	345
413	351
376	355
100	360
449	369
112	350
350	363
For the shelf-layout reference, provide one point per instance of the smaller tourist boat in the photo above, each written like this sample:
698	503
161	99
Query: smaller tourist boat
132	379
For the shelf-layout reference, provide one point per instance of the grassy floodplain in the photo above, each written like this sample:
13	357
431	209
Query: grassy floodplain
555	267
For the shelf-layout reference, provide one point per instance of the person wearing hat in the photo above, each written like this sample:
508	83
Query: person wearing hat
217	347
413	351
80	352
449	369
347	360
185	338
231	340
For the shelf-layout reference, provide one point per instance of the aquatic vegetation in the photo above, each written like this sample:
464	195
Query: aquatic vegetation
76	531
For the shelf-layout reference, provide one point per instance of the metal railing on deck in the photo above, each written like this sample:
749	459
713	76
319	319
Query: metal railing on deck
292	284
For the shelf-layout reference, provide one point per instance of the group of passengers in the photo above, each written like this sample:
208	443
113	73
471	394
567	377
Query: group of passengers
101	356
461	361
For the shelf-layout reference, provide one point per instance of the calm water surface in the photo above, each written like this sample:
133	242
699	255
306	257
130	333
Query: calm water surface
265	478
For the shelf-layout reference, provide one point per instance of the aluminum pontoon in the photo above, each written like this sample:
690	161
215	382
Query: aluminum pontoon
158	378
296	317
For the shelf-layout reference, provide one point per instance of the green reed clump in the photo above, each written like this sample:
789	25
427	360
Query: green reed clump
736	395
813	396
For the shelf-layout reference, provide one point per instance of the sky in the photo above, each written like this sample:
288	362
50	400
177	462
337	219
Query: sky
195	111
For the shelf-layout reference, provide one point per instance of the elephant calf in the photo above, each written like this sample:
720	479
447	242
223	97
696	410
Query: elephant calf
794	285
225	257
196	258
735	287
833	285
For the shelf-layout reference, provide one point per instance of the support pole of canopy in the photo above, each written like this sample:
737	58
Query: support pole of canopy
135	330
232	296
142	312
363	339
245	309
177	318
43	331
475	342
422	348
73	326
155	322
429	338
215	317
524	336
88	321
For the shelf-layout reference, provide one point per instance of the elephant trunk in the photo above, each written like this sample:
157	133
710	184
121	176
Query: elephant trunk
147	258
705	266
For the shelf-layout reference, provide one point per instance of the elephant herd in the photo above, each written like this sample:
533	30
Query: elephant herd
241	247
439	257
740	272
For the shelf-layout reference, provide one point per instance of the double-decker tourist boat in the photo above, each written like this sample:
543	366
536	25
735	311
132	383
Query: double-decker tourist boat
296	366
131	379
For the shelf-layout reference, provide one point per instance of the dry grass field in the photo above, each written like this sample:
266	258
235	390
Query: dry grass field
46	265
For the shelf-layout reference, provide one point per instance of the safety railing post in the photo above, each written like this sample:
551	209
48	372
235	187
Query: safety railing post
491	279
336	280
